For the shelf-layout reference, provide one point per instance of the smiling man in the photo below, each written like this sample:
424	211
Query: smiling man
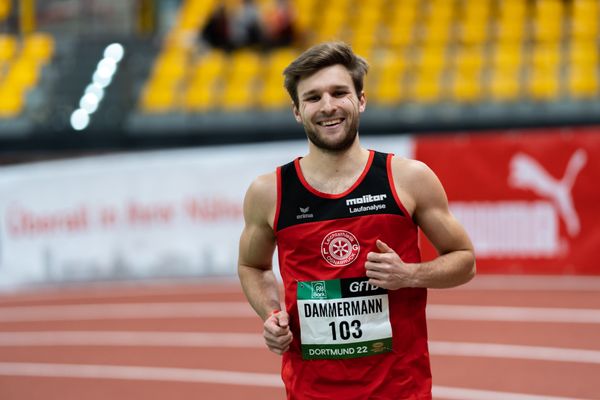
345	222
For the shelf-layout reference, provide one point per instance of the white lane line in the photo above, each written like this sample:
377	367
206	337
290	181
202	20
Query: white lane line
126	311
494	350
534	283
253	340
451	393
111	289
86	371
140	373
132	338
243	310
520	314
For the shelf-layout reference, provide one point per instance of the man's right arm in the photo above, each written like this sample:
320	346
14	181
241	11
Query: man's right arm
255	270
257	245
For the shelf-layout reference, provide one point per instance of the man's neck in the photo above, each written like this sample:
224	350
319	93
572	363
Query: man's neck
334	172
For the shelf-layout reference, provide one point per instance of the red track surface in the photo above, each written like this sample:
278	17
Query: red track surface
516	337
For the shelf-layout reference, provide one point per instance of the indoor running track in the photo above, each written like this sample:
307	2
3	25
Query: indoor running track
497	338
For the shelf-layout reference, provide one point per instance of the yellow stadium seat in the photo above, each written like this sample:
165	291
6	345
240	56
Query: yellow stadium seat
426	88
583	53
194	13
273	96
5	6
583	82
507	57
12	101
236	97
389	92
466	87
546	56
279	59
432	59
200	96
469	59
400	34
473	32
305	15
332	24
548	20
437	33
38	46
473	26
8	47
543	84
171	66
23	73
510	23
549	30
504	86
244	65
584	19
210	66
159	98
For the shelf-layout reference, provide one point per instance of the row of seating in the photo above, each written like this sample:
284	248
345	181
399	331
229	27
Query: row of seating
422	51
5	9
21	63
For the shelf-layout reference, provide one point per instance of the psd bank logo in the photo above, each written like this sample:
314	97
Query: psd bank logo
519	228
318	290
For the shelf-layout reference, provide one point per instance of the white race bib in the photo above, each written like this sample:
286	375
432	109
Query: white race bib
343	318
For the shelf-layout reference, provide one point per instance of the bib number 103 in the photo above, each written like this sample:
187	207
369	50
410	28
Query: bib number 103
345	330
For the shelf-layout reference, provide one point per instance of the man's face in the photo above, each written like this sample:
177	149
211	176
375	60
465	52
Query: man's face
329	108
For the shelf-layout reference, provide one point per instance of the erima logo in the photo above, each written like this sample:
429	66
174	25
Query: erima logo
304	213
367	198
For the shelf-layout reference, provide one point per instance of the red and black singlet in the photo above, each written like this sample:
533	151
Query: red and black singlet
322	243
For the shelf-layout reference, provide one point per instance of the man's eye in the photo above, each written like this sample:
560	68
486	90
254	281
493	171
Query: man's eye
340	93
312	99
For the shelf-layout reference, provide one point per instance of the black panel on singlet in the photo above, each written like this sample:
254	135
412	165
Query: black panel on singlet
372	196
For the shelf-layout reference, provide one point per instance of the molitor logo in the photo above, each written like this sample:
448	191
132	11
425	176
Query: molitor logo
340	248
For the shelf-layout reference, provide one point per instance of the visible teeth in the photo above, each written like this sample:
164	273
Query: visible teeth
332	122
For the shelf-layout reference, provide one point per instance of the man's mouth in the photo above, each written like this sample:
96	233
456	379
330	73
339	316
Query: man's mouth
331	122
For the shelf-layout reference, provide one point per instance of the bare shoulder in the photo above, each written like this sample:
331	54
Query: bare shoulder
416	183
261	198
408	168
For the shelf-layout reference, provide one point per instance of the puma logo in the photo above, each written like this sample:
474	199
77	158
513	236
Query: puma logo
527	173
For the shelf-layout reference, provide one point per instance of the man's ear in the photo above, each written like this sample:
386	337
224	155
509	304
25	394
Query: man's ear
362	101
296	113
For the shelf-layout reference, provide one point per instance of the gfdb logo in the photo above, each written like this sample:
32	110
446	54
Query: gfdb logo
319	290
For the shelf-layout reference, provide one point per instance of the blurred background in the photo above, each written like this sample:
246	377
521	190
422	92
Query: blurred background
130	130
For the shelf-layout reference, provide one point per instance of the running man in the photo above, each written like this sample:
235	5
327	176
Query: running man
345	222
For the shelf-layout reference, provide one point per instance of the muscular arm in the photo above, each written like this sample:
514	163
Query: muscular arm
426	199
257	245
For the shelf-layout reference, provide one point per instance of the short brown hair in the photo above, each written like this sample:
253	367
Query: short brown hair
321	56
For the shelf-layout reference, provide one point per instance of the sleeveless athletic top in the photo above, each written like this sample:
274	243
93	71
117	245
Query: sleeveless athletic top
352	340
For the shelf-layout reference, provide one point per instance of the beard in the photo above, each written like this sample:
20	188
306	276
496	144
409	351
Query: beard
333	146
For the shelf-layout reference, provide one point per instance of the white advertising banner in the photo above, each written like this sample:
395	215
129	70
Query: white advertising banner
135	215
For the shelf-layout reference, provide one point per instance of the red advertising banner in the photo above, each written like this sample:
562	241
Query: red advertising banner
530	199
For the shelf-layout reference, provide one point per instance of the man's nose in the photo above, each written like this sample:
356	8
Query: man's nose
328	103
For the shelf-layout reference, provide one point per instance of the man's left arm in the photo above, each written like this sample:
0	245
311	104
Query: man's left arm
455	263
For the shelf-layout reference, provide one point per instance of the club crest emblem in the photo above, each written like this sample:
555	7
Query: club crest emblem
340	248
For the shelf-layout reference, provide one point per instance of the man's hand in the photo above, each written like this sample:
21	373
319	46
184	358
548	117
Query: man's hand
277	332
386	270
